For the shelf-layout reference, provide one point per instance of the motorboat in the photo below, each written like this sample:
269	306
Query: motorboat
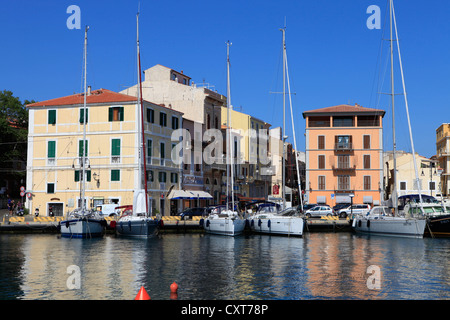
380	221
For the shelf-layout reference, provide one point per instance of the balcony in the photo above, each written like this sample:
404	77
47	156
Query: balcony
344	169
343	146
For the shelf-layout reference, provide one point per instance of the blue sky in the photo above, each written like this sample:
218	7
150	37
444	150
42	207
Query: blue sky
333	57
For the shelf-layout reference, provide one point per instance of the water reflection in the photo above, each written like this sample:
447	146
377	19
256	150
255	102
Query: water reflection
318	266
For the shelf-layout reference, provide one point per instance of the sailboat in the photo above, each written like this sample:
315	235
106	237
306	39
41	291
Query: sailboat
285	222
379	220
83	223
228	221
137	222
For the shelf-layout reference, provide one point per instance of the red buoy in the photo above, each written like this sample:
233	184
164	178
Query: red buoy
142	295
173	288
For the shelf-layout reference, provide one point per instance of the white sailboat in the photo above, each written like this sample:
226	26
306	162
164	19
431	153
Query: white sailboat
83	223
227	222
379	220
137	222
286	222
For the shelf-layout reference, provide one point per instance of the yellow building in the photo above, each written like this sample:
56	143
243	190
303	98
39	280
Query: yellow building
55	146
251	180
443	156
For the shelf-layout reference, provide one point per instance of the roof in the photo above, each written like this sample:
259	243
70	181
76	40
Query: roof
96	97
344	108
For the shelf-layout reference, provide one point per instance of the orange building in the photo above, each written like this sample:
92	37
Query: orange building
344	155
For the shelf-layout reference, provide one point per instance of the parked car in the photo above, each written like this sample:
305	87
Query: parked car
319	210
306	207
188	213
340	206
108	210
355	209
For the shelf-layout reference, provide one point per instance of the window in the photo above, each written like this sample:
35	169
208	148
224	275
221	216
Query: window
318	121
51	116
343	121
162	176
321	183
343	182
82	115
162	119
344	162
366	144
115	147
150	175
174	123
81	147
115	114
321	162
367	183
115	175
150	115
432	185
343	142
149	150
174	177
366	161
50	188
402	185
51	149
79	174
321	142
208	121
368	121
162	152
216	123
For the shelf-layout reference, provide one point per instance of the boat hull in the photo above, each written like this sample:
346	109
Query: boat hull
224	226
82	228
137	227
390	226
438	225
288	226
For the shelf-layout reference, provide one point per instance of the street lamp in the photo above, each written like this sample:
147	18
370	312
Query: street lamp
351	195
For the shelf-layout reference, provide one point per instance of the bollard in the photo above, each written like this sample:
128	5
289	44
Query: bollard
142	295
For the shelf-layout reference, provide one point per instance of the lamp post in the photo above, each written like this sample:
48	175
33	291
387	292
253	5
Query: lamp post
351	195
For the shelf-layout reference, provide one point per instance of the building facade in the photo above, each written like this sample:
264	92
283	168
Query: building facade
344	155
55	150
443	156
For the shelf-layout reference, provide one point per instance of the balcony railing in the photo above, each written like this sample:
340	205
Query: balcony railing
343	146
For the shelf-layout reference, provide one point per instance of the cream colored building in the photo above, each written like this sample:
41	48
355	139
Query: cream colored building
443	156
55	146
406	176
252	177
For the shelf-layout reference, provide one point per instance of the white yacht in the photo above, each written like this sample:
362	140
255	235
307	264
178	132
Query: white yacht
285	222
380	221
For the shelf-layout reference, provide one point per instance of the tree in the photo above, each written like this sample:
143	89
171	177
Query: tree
13	141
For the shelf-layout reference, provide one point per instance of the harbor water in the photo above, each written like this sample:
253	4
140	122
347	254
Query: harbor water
254	267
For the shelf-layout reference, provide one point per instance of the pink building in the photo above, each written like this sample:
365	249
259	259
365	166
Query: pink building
344	155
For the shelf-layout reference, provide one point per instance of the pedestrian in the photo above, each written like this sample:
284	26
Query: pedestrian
9	205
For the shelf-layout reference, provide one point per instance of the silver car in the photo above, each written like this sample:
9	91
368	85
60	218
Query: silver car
355	209
319	210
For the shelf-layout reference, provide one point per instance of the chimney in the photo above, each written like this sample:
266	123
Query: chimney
89	90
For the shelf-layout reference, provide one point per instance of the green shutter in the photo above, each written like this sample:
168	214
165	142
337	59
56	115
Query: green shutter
163	151
80	148
115	147
82	115
51	149
149	148
88	175
115	175
51	116
77	175
110	114
121	112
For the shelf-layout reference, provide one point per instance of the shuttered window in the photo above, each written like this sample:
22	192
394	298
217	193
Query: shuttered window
321	142
321	162
366	142
115	147
80	148
82	115
51	149
115	114
366	161
51	116
115	175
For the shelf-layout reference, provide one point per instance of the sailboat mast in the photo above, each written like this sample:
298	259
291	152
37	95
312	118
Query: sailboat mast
230	175
394	146
83	155
283	158
141	105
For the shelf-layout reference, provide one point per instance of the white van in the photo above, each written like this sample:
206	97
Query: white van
108	210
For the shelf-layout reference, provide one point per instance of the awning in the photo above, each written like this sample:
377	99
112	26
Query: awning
179	194
198	194
189	194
